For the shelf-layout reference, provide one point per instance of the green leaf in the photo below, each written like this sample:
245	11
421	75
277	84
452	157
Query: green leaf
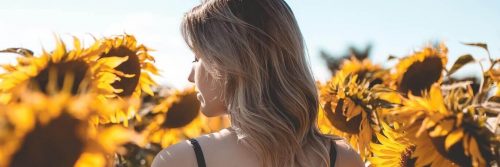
461	61
482	45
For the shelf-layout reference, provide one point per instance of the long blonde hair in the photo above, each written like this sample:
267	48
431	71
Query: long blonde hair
255	50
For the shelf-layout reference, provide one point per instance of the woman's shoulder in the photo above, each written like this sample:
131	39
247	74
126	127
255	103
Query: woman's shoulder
182	153
346	155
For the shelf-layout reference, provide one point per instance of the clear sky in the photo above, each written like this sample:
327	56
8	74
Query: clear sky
392	26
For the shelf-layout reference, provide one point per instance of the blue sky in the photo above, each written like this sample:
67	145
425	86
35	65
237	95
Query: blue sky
392	26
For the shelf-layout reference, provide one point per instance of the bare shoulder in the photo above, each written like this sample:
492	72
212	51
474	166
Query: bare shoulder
180	154
346	155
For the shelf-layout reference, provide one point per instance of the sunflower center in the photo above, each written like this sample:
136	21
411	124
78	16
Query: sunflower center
339	120
131	66
406	159
183	112
54	144
77	68
421	75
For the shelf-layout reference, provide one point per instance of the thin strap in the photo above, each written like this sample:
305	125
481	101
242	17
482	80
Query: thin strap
199	154
333	154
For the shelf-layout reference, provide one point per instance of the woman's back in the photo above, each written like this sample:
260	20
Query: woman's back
221	149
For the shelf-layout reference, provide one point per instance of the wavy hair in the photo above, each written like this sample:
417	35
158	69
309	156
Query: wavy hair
255	50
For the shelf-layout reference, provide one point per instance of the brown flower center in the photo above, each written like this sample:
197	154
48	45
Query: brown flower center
77	68
55	144
131	66
339	121
183	112
406	159
421	75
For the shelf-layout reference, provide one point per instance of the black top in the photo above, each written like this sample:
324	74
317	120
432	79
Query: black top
201	159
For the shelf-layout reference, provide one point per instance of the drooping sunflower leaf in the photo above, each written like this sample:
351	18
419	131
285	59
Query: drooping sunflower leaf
382	103
460	62
481	45
492	106
495	99
22	51
391	57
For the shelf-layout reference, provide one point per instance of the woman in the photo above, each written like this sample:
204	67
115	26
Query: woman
250	63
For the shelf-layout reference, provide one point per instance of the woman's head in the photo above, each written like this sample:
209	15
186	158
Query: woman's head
251	64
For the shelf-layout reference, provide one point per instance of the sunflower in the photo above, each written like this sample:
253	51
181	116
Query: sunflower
48	72
135	77
447	129
55	131
364	69
348	107
178	117
138	66
392	149
135	74
112	67
417	72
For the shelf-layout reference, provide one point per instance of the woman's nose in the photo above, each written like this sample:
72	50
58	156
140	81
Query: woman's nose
191	76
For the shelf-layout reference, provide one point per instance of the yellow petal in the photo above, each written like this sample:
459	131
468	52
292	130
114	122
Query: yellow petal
59	51
112	62
113	137
453	138
150	67
90	159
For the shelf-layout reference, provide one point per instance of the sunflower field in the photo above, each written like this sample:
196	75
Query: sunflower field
100	106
